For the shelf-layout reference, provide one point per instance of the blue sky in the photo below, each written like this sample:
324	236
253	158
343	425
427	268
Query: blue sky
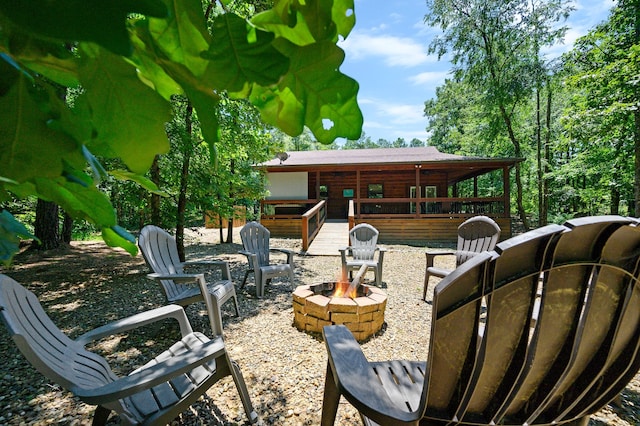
386	53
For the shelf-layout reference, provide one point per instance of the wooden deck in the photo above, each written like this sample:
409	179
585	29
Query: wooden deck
333	236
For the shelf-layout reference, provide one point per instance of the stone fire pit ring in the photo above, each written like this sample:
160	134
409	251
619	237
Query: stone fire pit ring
314	307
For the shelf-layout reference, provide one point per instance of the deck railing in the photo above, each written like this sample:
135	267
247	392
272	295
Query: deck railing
429	207
312	221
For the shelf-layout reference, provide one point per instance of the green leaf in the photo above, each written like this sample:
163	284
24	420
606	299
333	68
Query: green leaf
143	181
116	236
206	106
27	139
80	201
292	28
241	54
75	20
307	22
50	59
128	116
313	94
183	36
11	231
343	14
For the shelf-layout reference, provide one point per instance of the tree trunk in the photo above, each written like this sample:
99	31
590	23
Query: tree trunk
232	165
544	215
636	142
155	198
518	154
539	157
184	180
46	227
67	228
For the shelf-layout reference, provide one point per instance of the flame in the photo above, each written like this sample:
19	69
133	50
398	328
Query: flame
344	289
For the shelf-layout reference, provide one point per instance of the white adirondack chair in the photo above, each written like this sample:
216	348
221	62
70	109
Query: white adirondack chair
160	252
150	395
362	251
255	242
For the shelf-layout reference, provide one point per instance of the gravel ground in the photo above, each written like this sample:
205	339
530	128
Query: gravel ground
88	284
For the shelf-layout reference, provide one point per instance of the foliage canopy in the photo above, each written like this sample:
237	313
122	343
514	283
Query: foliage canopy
125	60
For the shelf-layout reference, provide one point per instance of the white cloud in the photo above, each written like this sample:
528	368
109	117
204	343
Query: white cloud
429	78
397	114
394	51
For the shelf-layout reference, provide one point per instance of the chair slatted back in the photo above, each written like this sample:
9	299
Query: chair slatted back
255	239
50	351
160	251
489	362
364	240
475	235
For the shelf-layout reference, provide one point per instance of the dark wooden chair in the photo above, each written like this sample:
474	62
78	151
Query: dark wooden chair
152	394
255	242
486	363
160	252
362	251
475	235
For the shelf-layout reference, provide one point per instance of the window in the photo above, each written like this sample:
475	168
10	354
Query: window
374	190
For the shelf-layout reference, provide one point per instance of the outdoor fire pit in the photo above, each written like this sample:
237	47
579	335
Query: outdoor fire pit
362	312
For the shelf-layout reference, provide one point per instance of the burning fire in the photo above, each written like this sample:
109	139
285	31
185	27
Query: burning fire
344	288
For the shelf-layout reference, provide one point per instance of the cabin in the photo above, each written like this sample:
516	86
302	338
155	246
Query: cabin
411	195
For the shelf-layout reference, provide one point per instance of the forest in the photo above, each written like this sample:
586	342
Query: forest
105	131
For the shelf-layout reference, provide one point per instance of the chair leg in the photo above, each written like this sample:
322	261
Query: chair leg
259	284
330	400
246	274
244	393
235	303
100	416
426	285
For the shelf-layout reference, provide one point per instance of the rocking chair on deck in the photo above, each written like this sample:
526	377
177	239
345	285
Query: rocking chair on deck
487	362
154	393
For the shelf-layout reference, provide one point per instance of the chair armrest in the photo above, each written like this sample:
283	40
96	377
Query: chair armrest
344	252
431	255
252	258
223	265
136	321
289	253
178	278
153	375
355	378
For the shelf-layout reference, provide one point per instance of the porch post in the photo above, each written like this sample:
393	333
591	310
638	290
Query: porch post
357	212
506	192
418	202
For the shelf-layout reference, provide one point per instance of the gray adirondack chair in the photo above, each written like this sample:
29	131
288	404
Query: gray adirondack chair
362	251
486	364
255	243
160	252
152	394
475	235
